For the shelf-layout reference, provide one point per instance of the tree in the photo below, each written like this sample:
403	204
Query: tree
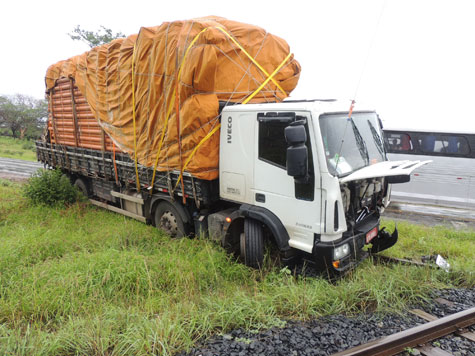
23	115
93	39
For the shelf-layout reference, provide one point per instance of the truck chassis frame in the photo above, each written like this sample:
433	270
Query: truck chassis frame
119	168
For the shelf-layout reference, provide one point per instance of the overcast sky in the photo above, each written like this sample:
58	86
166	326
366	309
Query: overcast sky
419	72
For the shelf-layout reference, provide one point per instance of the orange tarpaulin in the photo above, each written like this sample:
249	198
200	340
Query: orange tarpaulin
185	66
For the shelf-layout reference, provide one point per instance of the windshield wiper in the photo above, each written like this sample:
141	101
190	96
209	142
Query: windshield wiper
376	138
360	142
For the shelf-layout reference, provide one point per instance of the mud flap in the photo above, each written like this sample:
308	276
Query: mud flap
384	240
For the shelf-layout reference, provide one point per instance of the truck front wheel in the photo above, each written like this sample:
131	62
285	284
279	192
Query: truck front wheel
252	243
168	219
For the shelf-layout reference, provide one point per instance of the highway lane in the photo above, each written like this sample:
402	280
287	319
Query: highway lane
17	168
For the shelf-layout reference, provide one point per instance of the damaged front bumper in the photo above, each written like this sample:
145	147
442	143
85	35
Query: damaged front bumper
326	254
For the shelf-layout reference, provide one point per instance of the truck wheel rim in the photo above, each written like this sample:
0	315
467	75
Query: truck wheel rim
168	223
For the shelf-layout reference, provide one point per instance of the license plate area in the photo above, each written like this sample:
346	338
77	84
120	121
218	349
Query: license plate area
371	234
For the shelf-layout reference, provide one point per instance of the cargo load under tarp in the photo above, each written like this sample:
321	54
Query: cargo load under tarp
157	94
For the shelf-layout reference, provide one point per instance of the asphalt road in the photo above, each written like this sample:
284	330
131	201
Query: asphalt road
17	169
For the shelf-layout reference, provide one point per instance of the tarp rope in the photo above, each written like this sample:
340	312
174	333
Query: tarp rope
251	58
133	119
177	118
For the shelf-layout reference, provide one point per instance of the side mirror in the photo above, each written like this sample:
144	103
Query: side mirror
297	154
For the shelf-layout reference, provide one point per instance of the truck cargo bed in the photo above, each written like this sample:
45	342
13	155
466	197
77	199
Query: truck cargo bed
100	164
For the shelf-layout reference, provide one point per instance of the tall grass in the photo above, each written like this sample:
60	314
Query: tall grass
85	281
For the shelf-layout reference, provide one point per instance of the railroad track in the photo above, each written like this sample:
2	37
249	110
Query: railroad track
418	338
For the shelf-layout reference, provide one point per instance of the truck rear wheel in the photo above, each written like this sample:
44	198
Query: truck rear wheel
252	243
82	186
167	218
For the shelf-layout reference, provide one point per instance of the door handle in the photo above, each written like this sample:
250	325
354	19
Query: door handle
260	198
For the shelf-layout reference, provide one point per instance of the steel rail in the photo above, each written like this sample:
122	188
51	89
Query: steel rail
395	343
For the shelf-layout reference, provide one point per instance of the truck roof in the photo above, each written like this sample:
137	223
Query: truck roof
321	105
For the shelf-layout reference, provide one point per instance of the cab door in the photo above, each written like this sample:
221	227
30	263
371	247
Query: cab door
296	204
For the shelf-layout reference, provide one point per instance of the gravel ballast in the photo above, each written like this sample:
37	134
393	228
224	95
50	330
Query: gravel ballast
328	335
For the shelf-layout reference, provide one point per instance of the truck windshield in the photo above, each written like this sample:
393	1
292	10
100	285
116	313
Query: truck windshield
351	143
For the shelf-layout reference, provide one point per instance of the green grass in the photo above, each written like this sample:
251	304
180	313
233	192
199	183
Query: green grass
458	247
85	281
15	148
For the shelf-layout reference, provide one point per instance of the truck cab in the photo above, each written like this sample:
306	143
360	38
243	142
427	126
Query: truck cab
309	176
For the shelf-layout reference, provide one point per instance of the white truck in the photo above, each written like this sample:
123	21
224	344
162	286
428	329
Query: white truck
301	174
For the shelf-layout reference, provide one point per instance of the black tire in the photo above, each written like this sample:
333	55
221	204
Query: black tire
252	244
168	219
83	187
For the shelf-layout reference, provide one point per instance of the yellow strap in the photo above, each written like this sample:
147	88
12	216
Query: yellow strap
267	80
133	118
188	49
206	138
251	58
161	143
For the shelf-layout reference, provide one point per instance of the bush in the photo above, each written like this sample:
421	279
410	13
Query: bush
48	187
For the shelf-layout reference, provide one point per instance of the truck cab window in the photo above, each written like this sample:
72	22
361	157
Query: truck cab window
272	148
272	145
